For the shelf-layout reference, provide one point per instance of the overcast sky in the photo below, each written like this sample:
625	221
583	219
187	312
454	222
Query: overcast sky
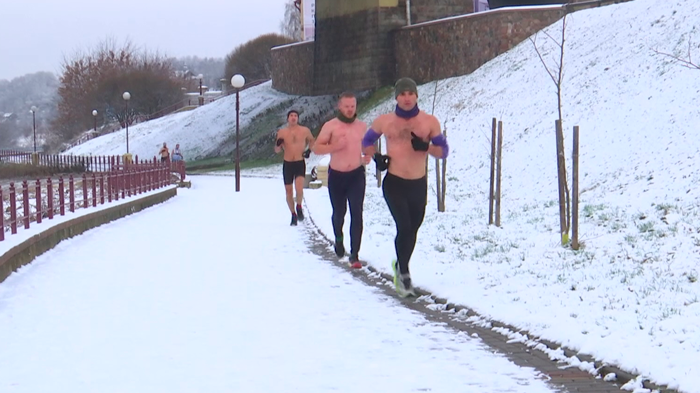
35	36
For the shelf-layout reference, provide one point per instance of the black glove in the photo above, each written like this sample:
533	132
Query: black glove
280	142
307	153
382	161
419	144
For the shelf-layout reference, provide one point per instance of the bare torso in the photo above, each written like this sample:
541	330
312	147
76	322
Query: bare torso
405	162
349	157
295	139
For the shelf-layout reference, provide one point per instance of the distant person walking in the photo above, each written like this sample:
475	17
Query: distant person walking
177	154
164	153
293	139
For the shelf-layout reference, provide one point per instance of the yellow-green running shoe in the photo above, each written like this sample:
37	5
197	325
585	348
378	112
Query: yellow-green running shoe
402	282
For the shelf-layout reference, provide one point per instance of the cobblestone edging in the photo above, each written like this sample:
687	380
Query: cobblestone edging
563	367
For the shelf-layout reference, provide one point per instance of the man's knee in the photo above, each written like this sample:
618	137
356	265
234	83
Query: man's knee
403	227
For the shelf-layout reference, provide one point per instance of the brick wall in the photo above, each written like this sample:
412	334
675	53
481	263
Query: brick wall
365	44
458	46
292	68
427	10
353	52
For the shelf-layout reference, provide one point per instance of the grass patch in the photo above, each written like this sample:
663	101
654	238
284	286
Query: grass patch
377	96
646	227
590	210
665	208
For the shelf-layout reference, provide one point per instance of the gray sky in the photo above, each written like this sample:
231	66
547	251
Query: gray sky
35	36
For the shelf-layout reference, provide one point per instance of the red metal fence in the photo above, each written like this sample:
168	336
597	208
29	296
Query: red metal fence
79	163
103	180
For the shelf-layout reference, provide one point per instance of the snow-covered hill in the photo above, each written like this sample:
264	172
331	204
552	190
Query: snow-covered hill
631	295
201	131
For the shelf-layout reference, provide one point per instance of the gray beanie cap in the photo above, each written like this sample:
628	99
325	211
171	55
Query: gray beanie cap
405	84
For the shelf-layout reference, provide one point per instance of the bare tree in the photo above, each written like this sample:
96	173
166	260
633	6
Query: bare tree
556	73
687	63
439	176
253	59
97	78
290	25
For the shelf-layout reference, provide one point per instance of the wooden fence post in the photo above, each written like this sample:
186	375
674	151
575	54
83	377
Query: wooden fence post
574	191
498	173
561	173
39	208
492	169
49	197
444	178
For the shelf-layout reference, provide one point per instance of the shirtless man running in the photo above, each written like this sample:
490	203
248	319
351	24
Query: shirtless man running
341	137
409	133
294	139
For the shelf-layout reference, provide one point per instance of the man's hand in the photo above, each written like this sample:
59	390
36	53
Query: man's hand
382	161
418	143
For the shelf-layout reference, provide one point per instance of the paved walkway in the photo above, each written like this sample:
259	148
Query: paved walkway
208	293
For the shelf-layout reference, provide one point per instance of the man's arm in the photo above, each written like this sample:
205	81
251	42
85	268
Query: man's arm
323	144
439	147
278	144
310	139
371	136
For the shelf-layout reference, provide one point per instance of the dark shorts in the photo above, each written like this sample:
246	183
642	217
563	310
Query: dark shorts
293	169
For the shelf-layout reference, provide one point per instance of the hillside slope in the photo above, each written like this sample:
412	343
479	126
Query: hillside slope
631	295
210	130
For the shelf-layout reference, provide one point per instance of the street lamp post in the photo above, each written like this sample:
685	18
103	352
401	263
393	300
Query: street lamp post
201	97
33	110
237	81
126	96
94	114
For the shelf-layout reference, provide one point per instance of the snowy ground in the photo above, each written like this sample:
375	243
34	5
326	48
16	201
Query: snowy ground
631	295
216	304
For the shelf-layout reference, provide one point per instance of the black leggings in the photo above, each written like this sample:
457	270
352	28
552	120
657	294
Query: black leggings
406	200
347	188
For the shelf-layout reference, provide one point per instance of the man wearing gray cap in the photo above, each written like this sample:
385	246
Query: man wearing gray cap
411	135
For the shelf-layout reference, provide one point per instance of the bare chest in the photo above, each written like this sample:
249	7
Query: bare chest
403	130
352	132
294	136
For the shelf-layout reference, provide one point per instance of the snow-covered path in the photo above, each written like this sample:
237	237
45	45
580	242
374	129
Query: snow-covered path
212	291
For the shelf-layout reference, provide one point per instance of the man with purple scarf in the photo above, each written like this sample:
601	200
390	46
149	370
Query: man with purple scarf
411	135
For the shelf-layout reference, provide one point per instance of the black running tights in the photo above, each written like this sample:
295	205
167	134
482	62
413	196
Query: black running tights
347	188
406	200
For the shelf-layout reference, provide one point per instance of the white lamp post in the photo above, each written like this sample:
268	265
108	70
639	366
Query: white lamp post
126	96
94	114
201	96
237	81
33	110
